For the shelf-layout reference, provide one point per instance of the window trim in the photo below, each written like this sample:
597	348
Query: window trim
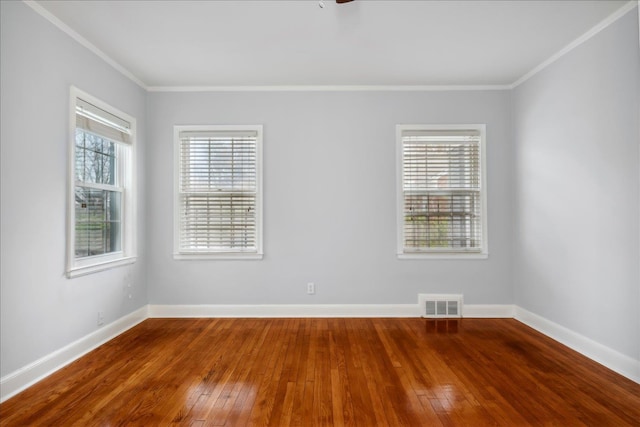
483	253
218	255
127	255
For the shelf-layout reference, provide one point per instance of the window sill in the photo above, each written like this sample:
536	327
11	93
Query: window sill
99	266
216	256
443	255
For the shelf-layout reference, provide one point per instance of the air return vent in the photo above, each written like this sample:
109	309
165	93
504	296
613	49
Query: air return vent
440	305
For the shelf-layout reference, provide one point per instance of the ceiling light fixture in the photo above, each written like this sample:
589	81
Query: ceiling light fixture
321	3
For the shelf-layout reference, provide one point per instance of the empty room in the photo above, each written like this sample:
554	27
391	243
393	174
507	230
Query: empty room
320	212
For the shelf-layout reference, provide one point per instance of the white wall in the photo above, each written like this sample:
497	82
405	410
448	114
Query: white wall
329	194
41	310
576	190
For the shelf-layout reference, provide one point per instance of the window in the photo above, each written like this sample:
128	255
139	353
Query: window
218	194
100	215
442	191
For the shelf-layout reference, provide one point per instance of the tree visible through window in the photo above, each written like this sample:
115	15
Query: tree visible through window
98	197
101	215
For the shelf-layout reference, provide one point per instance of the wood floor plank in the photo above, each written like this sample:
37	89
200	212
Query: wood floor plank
329	372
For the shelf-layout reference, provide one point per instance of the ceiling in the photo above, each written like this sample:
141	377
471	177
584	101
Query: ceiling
365	42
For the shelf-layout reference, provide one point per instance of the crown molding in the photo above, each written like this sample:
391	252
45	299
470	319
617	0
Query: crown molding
577	42
328	88
631	5
84	42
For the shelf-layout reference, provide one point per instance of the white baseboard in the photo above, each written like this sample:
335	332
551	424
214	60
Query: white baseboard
26	376
319	310
15	382
618	362
488	311
286	310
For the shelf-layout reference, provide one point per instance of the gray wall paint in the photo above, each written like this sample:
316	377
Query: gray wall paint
42	311
577	176
329	199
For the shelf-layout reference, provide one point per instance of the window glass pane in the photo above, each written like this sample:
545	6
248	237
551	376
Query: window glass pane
96	160
98	222
113	210
98	212
219	164
91	163
96	202
93	142
442	221
82	221
97	218
113	234
218	182
220	222
102	166
442	191
108	164
79	138
80	155
90	166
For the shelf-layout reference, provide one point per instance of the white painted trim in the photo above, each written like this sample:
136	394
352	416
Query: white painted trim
15	382
84	42
319	310
441	255
127	159
329	88
100	266
285	310
488	311
618	362
577	42
222	256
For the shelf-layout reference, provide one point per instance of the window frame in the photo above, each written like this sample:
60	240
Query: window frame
126	155
483	251
179	254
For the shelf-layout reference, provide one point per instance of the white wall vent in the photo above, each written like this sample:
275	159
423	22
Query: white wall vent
440	305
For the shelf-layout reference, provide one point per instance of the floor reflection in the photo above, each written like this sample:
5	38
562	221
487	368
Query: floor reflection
219	402
442	326
447	396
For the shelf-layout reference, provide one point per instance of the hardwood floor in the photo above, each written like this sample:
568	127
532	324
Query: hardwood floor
356	372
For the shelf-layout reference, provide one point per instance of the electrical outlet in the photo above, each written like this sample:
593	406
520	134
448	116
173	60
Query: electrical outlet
100	318
311	288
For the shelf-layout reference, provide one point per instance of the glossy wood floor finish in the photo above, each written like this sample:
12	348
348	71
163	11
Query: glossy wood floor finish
329	372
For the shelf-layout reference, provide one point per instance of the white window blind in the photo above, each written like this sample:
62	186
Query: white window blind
100	122
442	191
218	191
